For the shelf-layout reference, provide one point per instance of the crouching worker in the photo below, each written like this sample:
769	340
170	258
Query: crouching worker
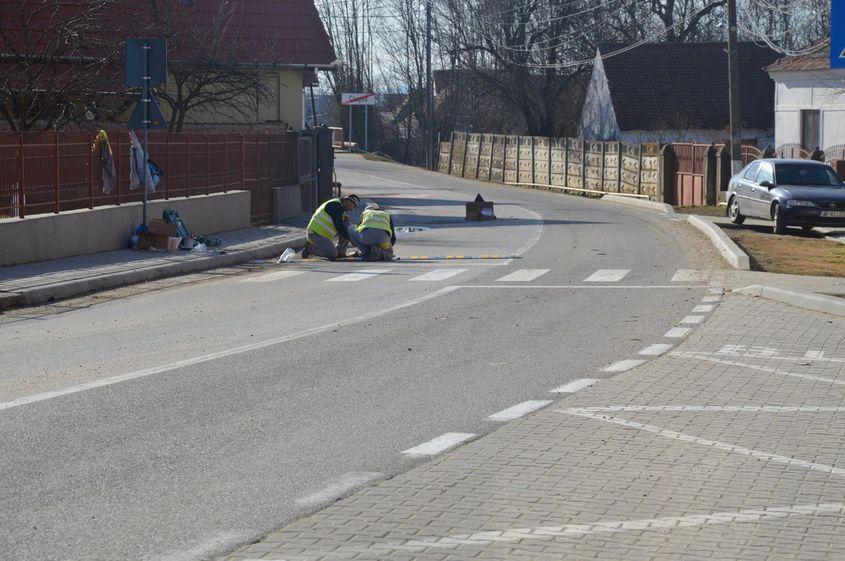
375	237
328	224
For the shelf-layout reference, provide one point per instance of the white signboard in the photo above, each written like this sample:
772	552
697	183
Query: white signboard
357	99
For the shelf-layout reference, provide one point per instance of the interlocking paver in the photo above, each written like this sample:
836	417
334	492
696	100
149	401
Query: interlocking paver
760	479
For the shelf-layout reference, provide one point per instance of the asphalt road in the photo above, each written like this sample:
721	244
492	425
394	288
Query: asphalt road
180	423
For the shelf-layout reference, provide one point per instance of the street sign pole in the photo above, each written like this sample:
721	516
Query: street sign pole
145	100
349	110
366	128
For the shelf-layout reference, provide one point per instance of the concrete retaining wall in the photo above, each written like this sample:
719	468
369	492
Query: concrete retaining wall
79	232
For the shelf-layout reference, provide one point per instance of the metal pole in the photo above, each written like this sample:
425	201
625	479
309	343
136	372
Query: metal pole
56	170
429	95
21	190
733	86
145	98
349	112
366	130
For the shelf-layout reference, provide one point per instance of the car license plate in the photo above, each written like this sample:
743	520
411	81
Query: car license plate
832	214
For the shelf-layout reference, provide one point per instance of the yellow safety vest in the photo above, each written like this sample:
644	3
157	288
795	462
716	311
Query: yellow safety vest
322	223
376	219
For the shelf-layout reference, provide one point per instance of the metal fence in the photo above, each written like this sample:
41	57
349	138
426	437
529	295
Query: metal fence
52	172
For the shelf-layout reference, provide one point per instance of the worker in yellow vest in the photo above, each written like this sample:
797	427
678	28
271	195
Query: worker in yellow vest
375	237
329	223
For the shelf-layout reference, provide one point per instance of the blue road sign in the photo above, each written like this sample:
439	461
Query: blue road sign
837	33
155	120
156	51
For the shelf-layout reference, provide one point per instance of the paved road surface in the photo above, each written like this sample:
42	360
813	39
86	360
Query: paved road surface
179	423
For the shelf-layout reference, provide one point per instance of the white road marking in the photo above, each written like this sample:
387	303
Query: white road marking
347	483
273	276
608	275
716	291
753	367
711	299
692	319
523	275
583	287
625	365
438	275
715	408
35	398
724	446
548	533
437	445
363	274
677	332
519	410
814	355
575	385
689	275
703	308
656	350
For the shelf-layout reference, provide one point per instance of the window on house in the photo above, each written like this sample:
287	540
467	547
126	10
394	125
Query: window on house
810	130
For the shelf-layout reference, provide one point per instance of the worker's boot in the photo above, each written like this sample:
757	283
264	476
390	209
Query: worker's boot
306	251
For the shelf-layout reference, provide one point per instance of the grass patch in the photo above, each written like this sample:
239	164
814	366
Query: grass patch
702	210
798	253
377	157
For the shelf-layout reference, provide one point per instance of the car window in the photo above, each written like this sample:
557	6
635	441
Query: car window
766	173
751	171
807	175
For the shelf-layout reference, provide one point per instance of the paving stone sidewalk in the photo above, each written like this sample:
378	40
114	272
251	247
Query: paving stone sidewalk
730	446
33	283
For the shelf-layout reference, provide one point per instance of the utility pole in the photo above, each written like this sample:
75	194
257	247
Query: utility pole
429	95
733	86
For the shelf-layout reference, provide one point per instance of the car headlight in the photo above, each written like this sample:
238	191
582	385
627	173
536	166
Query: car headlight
800	203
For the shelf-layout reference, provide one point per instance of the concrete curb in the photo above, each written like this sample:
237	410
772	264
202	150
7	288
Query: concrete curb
78	287
642	203
737	258
809	300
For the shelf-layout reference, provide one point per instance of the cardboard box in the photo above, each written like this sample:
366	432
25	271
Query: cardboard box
480	211
163	228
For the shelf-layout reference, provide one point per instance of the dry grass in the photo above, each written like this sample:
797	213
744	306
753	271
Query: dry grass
799	253
703	210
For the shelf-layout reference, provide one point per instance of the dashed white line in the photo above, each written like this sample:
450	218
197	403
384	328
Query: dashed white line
711	299
689	275
438	445
523	275
519	410
677	332
814	355
608	275
347	482
656	350
692	319
703	309
724	446
359	276
274	276
575	385
625	365
438	275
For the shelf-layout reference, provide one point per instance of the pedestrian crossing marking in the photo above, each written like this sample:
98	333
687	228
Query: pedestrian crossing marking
359	276
273	276
438	275
608	275
523	275
689	275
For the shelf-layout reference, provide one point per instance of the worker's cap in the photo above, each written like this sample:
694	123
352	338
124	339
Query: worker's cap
372	206
353	199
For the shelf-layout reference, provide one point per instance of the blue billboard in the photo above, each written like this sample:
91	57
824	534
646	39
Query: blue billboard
837	33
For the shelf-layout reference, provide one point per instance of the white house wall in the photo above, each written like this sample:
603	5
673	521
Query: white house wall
598	118
822	90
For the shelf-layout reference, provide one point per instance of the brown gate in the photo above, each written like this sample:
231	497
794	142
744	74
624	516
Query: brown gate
689	173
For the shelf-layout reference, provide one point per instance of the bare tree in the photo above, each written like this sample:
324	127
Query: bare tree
208	71
55	66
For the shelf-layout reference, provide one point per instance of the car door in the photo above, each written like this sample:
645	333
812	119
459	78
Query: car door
762	196
746	189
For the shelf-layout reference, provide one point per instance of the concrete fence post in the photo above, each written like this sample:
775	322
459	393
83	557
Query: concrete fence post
533	160
666	174
451	150
723	168
618	166
478	157
464	158
518	150
505	160
640	169
551	142
711	195
583	164
566	161
490	164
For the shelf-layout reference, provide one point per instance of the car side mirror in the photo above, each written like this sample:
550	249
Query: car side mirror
767	184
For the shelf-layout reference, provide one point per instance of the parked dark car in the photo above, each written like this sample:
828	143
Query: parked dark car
801	193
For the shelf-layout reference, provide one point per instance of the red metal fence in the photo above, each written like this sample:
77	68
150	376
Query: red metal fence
43	172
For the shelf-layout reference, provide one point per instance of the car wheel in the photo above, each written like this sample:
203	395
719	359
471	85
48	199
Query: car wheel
777	217
733	212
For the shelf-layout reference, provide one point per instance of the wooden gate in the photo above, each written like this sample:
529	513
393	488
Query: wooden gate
689	174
